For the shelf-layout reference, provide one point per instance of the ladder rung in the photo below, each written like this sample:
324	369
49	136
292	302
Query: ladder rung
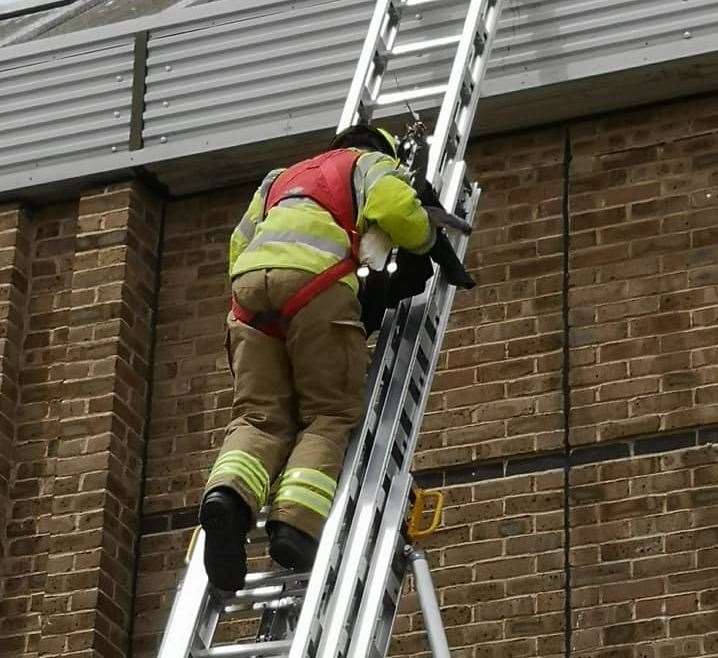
394	98
421	47
263	594
280	648
408	4
280	604
266	578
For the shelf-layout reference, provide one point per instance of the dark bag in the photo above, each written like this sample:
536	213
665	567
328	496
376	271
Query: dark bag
381	290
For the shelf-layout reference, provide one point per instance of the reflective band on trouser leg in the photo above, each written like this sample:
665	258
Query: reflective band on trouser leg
225	471
307	487
245	467
305	497
311	478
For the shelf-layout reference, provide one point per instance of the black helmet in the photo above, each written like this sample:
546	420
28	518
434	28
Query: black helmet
363	136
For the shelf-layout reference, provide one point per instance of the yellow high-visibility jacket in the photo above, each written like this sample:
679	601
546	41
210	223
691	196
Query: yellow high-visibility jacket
299	234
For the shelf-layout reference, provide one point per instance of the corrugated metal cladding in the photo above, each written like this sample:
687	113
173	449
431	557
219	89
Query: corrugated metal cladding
219	76
255	77
547	41
73	105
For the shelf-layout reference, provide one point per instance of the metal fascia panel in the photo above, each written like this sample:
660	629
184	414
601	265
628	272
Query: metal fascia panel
70	108
258	74
221	76
556	41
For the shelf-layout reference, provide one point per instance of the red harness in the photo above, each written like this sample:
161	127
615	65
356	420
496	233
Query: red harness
327	180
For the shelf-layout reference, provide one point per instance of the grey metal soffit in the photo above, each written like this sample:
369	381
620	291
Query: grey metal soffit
229	73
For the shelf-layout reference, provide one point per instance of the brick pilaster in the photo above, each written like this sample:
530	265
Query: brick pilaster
644	267
98	457
13	292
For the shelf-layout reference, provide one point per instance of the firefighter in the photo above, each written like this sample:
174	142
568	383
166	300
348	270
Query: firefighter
297	347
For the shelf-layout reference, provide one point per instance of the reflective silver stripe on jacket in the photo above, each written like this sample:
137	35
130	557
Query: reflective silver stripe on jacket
268	180
246	227
371	167
361	171
296	202
295	237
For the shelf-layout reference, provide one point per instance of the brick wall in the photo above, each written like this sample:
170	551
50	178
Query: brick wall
78	444
50	235
498	564
192	395
644	536
13	294
644	268
572	414
498	387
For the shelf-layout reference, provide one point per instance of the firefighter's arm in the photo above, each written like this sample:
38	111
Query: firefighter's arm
244	231
391	202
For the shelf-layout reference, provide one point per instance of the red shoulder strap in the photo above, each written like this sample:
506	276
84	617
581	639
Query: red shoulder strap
338	171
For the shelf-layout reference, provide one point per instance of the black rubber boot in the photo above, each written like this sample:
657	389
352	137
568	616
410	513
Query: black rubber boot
291	548
225	518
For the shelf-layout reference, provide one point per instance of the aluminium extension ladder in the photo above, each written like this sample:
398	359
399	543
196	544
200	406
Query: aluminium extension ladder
346	606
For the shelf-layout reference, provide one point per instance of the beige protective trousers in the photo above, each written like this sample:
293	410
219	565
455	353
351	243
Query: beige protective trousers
295	400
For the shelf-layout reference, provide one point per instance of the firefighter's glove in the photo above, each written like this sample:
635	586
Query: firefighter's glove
443	254
439	217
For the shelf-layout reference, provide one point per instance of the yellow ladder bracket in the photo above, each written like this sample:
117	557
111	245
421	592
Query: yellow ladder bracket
421	498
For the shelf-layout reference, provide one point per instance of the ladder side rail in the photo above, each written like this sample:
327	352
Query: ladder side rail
354	557
388	542
425	343
371	634
329	551
189	604
209	620
454	177
478	74
366	64
484	14
402	425
439	301
348	575
452	100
